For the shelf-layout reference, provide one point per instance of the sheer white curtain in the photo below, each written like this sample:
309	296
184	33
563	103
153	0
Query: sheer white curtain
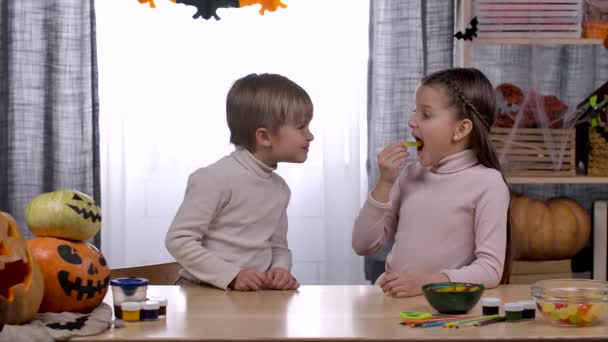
163	78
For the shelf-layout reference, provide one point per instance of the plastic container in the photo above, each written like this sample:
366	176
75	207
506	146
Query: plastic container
529	309
149	310
573	302
128	290
513	312
131	311
490	306
162	301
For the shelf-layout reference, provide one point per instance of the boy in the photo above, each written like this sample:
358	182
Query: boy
231	229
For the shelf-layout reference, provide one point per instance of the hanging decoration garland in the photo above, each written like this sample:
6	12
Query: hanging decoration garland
207	8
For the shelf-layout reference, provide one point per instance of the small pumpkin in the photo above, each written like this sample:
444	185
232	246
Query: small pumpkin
556	229
21	284
76	274
66	214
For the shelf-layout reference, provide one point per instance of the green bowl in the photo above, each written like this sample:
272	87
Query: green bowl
452	297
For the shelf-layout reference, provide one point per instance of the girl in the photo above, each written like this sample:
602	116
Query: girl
447	212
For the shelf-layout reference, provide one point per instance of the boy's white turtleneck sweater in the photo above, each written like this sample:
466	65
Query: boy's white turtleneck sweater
233	216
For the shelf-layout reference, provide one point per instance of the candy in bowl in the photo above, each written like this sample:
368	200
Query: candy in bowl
571	302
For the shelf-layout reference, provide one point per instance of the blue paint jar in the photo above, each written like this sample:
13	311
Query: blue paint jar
162	311
149	310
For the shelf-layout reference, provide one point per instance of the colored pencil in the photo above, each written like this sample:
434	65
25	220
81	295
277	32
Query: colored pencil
482	318
436	324
479	323
435	319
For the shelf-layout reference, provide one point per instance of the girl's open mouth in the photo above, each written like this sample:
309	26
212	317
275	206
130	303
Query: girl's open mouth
420	144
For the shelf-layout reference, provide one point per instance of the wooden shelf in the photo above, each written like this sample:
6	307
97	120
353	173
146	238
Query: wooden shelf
537	41
557	180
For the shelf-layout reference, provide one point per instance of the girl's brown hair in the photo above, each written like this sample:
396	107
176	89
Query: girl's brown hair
474	98
264	101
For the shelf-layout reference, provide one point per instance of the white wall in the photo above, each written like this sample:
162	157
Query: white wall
163	81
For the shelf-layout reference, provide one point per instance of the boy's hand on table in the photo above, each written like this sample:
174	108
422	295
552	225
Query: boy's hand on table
248	279
281	279
408	284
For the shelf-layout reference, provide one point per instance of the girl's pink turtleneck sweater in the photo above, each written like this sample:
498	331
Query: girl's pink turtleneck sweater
450	218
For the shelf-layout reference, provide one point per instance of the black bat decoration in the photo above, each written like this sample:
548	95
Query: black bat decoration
469	33
207	8
74	325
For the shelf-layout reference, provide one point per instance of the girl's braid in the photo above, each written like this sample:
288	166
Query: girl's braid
460	94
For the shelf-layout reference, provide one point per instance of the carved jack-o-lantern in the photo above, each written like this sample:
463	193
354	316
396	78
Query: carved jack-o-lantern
66	214
21	287
76	275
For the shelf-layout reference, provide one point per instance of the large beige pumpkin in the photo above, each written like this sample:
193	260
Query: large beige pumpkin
64	214
556	229
21	283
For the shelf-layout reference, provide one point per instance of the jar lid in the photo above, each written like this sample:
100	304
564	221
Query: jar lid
151	305
527	304
513	306
130	306
130	282
490	301
161	300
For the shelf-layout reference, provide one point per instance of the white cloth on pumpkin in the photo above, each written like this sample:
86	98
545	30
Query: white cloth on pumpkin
52	326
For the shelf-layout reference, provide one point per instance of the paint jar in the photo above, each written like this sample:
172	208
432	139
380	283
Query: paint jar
162	301
131	311
490	306
529	311
513	312
149	310
128	290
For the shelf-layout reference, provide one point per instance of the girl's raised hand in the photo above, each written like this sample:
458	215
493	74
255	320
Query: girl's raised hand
389	161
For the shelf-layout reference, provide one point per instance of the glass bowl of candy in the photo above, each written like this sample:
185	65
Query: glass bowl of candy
571	302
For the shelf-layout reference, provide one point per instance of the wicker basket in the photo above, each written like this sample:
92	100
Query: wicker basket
530	152
598	153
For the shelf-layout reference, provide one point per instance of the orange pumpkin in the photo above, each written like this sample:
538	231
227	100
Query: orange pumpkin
556	229
76	275
21	287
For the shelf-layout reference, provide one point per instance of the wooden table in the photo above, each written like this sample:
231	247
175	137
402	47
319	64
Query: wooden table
321	313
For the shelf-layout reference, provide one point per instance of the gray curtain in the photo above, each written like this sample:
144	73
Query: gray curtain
408	39
49	109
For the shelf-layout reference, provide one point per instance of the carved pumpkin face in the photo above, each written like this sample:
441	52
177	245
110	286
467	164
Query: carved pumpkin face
67	214
21	287
76	275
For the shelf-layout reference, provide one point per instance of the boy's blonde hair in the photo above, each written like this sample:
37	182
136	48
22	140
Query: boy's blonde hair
264	101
